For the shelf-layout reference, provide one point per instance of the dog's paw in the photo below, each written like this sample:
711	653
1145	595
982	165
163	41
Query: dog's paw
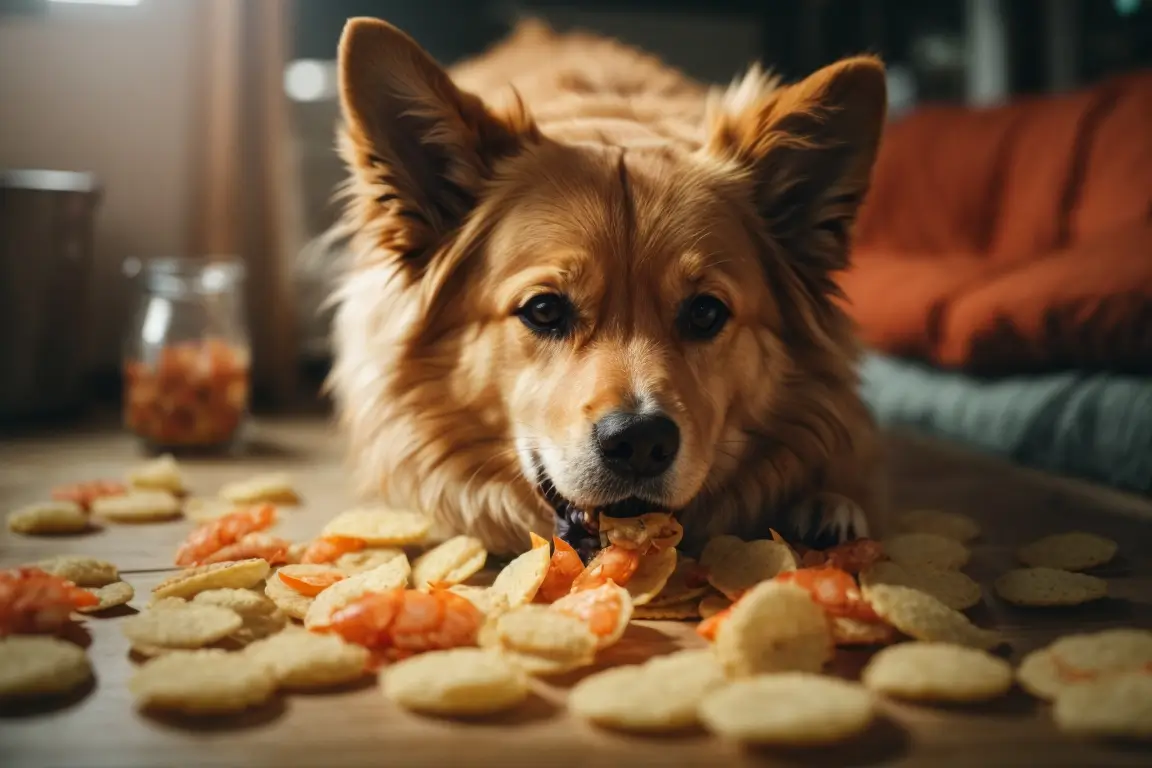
828	519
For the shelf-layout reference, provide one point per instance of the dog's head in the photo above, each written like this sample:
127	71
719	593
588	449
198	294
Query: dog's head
604	323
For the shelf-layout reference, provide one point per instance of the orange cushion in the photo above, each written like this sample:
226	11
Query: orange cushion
1089	306
896	300
1116	187
935	183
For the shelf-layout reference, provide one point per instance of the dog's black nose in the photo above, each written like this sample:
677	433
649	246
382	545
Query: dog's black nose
635	445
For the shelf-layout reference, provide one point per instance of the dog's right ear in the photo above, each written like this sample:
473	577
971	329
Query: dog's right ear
417	146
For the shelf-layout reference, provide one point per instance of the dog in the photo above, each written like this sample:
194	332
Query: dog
582	282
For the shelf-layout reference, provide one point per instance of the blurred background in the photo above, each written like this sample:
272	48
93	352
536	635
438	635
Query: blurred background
1004	265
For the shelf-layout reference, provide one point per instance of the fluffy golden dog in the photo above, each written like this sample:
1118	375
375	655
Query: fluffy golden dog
584	282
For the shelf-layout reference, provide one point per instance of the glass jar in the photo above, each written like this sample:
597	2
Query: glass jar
186	356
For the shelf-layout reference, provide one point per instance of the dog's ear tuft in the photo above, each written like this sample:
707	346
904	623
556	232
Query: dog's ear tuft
417	146
809	150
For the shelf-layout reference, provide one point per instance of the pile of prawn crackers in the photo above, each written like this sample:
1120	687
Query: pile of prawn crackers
251	615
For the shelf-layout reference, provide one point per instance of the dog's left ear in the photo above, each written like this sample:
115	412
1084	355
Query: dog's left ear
809	150
419	148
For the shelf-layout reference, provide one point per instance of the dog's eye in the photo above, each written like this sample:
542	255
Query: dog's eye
548	313
703	317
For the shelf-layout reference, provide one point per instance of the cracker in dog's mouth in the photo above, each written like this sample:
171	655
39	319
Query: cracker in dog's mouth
579	526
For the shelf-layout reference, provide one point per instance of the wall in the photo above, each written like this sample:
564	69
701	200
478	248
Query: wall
107	90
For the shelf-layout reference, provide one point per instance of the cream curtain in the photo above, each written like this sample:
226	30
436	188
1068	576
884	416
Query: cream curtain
247	199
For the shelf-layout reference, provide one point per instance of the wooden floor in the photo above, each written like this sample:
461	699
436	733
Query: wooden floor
357	727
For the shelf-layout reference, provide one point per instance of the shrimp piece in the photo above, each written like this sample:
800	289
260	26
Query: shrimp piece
328	549
403	622
229	529
563	569
86	492
707	629
601	609
835	590
262	545
32	601
311	584
614	563
851	556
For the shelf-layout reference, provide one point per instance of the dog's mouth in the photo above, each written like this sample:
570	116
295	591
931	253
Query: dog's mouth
579	525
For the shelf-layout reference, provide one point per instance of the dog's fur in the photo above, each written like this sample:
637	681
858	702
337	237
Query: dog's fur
574	165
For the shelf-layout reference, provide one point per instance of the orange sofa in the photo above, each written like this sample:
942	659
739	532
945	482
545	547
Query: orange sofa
1013	239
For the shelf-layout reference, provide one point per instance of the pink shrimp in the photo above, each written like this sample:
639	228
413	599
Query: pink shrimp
262	545
851	556
403	622
311	584
328	549
614	563
32	601
229	529
835	590
85	493
563	569
600	608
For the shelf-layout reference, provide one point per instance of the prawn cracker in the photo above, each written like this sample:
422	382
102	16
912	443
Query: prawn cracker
743	567
36	665
592	606
955	589
686	583
689	610
287	599
110	596
380	527
239	574
1049	587
137	507
920	615
793	709
305	660
1039	674
457	682
926	550
775	627
950	525
486	601
450	562
367	559
718	549
245	602
186	626
651	576
201	510
48	518
712	605
660	695
383	578
1108	651
539	640
937	672
1084	657
1112	707
159	474
272	488
206	682
518	582
1074	551
853	632
80	570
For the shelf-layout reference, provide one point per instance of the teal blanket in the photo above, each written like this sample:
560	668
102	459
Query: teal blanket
1095	426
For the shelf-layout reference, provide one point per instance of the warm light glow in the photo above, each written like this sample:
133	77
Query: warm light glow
310	80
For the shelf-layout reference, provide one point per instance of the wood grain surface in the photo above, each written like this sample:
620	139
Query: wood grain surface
100	727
